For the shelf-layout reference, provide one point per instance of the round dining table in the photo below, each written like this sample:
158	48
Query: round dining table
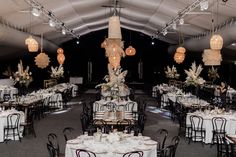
112	145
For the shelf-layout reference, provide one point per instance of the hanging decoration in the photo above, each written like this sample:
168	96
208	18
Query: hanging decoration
60	56
216	42
179	57
180	51
130	51
114	44
32	44
42	60
211	57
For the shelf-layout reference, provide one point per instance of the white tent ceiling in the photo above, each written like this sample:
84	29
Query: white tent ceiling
84	16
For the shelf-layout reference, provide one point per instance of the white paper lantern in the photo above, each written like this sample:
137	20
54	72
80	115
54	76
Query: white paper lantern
211	57
114	30
216	42
130	51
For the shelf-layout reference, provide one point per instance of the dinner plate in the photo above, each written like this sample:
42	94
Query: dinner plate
73	141
145	138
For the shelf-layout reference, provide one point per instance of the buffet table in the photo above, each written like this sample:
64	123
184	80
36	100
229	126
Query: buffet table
112	145
207	122
3	122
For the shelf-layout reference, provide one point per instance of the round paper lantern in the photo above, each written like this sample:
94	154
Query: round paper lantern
27	40
216	42
42	60
179	57
60	50
61	58
181	50
211	57
130	51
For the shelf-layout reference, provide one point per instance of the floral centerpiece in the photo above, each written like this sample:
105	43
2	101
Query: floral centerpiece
172	73
193	78
115	86
23	77
57	72
213	73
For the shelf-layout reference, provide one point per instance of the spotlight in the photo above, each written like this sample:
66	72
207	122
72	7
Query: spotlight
77	42
52	23
174	26
181	21
152	42
204	5
63	31
36	12
165	32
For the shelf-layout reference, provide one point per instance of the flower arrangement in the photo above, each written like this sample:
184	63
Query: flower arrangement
23	77
193	77
57	72
172	72
213	73
115	83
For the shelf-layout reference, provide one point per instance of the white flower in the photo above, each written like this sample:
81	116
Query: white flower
172	72
57	72
193	77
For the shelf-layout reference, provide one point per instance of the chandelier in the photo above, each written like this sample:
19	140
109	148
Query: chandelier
113	44
211	57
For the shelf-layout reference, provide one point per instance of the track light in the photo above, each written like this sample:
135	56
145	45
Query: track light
63	31
52	23
204	5
165	32
174	26
36	12
181	21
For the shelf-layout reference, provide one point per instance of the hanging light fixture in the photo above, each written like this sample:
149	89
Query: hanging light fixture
42	60
216	42
60	56
130	51
36	12
211	57
180	51
31	42
179	57
204	5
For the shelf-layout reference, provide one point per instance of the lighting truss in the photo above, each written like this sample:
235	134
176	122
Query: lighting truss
180	15
58	23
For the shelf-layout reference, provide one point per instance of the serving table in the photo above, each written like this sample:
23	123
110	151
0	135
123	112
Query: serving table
112	145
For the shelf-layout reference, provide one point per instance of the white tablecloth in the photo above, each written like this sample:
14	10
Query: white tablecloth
118	103
115	149
207	123
3	122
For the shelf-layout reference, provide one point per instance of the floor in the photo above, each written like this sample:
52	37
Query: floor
54	123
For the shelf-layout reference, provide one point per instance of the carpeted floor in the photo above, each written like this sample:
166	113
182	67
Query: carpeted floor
156	119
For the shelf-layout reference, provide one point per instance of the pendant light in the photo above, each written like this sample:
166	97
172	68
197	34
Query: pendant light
130	51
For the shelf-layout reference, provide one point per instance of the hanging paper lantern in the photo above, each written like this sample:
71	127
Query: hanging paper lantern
27	40
60	50
181	50
130	51
114	30
42	60
211	57
179	57
216	42
61	58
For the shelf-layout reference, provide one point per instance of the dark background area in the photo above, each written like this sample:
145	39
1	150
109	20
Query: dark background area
155	59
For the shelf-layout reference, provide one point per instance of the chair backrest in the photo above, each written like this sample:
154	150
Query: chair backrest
84	153
53	152
133	154
13	120
169	151
130	106
175	142
161	137
136	128
100	124
67	132
222	145
53	141
196	122
123	124
218	124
